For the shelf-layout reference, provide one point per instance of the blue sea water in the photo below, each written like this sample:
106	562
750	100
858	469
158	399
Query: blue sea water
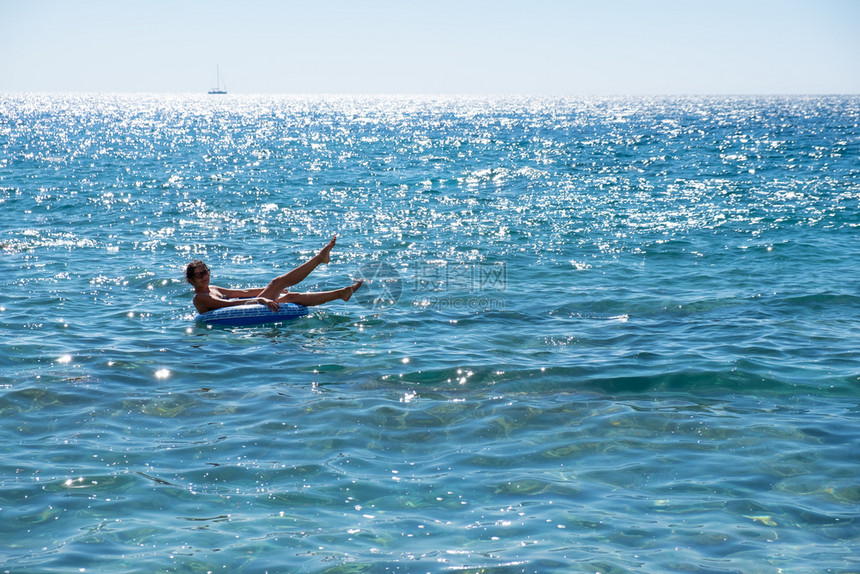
597	335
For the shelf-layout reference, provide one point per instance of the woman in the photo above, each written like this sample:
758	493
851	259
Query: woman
209	297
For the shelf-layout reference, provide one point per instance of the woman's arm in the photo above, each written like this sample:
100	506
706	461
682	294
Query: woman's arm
204	302
240	293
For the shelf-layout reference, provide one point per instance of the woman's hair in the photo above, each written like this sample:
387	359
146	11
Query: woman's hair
189	269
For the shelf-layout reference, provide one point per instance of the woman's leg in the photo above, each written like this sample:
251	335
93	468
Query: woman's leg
274	289
311	299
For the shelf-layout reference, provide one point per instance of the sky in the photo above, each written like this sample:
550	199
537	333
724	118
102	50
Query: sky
484	47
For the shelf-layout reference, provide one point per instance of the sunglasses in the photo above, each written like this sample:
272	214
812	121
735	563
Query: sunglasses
205	271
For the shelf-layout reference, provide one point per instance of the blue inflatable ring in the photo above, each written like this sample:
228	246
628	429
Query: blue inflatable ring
251	315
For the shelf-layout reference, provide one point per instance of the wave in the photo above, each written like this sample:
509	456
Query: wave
743	376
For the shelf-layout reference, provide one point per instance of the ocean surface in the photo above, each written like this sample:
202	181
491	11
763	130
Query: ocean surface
607	335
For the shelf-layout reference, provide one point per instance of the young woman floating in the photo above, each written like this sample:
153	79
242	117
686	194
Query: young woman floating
209	297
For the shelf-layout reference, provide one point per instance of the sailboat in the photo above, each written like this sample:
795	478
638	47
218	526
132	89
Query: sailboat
218	89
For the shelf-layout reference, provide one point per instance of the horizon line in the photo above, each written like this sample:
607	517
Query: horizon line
439	94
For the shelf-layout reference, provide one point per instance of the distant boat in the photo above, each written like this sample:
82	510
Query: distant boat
218	89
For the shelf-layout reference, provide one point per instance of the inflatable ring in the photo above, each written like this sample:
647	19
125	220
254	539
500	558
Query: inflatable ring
251	315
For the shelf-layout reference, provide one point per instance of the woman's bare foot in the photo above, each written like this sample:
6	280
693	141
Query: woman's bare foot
324	254
348	291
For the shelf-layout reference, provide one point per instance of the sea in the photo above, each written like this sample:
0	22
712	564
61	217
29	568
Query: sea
596	335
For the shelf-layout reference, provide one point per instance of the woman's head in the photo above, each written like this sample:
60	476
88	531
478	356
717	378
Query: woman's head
194	270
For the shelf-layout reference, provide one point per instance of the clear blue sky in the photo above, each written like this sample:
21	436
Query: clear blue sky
552	47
